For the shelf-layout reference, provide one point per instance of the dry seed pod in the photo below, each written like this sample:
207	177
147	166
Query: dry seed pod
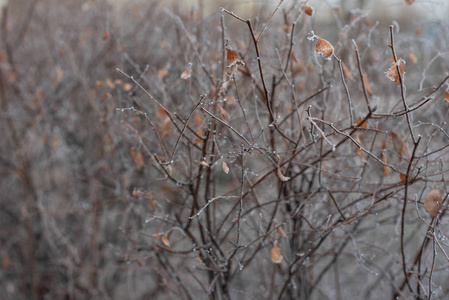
433	202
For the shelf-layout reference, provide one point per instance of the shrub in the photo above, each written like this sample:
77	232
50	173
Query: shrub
163	153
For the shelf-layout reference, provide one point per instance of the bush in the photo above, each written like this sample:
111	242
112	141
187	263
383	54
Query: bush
153	152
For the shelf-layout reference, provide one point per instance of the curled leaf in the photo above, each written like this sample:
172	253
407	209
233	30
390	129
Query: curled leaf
393	74
446	97
276	255
433	202
324	48
279	172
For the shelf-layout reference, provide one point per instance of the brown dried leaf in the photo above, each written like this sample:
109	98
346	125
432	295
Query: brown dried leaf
165	240
166	130
197	119
324	48
198	140
225	166
223	113
308	10
386	169
127	87
232	56
403	178
162	73
230	99
412	56
137	157
366	82
279	172
105	35
360	123
446	97
393	74
409	2
162	115
433	202
110	83
383	145
185	74
279	229
346	73
398	144
152	201
276	255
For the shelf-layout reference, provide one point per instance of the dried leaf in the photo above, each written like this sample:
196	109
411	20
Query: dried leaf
162	115
359	149
279	172
6	262
383	145
166	130
137	157
412	56
162	73
366	82
225	166
276	255
324	48
197	119
198	140
204	163
308	10
230	99
279	229
127	87
165	240
386	169
152	202
433	202
105	35
232	56
346	73
99	84
446	97
185	74
393	74
110	83
360	123
403	178
398	144
223	113
409	2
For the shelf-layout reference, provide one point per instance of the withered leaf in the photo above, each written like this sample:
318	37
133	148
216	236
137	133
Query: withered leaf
393	74
324	48
433	202
276	255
